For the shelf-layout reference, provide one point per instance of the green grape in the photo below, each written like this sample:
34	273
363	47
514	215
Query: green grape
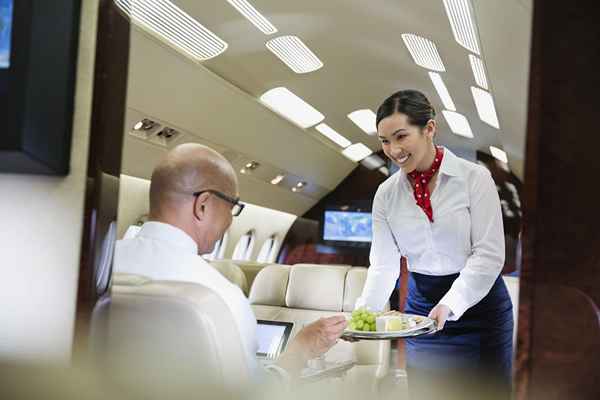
373	328
371	319
352	326
359	325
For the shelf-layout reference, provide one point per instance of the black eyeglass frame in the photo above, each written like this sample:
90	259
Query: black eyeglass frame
231	200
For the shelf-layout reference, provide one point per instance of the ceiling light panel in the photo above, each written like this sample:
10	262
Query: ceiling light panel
499	154
287	104
462	23
357	152
252	15
365	120
442	90
295	54
170	23
424	52
373	162
459	125
478	71
332	135
485	106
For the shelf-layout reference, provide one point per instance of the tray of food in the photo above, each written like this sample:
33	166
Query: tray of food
367	325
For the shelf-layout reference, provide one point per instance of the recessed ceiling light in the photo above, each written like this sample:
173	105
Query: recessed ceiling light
462	23
301	184
478	71
292	107
277	180
485	106
357	152
170	23
295	54
373	162
499	154
145	125
365	120
259	20
442	90
332	135
458	124
423	51
252	165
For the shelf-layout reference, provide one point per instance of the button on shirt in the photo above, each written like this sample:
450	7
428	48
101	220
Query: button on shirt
163	252
467	236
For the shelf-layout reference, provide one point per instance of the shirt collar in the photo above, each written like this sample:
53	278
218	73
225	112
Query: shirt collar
449	164
168	233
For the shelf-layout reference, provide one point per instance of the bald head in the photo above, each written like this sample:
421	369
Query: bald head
186	169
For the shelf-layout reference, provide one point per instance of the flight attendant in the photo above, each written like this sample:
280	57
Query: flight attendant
443	214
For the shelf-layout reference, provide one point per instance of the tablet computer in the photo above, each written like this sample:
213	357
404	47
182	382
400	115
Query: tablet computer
272	338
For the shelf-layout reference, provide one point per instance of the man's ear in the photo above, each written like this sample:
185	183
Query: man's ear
201	205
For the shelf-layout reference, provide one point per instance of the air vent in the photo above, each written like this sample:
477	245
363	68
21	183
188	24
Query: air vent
165	136
424	52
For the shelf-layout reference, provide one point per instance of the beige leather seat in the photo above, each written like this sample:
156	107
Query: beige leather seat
233	273
303	293
171	335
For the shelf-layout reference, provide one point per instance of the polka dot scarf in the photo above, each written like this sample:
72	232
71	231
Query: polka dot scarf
422	179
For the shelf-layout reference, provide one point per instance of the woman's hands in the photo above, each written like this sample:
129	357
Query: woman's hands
440	314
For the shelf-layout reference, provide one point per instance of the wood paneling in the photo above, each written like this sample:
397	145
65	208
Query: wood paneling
104	162
559	329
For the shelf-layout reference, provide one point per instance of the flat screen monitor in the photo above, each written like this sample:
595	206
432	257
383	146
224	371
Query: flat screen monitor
272	338
6	17
347	227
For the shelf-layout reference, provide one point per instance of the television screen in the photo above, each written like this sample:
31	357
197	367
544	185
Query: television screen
6	12
347	226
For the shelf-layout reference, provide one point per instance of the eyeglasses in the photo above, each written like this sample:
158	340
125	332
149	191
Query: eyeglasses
236	205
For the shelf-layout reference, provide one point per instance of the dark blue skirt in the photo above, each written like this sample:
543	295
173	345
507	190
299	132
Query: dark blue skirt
480	341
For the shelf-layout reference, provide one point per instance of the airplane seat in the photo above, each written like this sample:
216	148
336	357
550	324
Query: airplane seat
303	293
176	337
232	272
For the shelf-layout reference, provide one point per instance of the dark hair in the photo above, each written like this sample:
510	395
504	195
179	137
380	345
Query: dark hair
410	102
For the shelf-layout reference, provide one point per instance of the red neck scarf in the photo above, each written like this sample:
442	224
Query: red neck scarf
422	179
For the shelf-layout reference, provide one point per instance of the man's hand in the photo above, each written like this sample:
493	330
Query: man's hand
312	341
440	314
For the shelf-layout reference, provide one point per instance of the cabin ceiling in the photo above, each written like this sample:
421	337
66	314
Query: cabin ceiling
365	60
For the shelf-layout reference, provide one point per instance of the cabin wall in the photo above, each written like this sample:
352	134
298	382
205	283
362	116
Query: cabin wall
40	234
265	222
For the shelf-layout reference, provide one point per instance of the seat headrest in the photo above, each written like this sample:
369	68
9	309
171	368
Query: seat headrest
316	287
181	334
355	281
270	285
232	272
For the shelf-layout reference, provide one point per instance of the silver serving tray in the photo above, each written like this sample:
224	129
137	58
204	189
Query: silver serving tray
389	335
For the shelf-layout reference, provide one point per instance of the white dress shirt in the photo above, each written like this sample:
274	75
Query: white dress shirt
466	237
163	252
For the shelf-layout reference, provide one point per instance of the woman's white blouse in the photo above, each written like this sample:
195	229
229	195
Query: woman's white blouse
466	236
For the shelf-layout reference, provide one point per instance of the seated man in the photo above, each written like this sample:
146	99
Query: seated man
193	197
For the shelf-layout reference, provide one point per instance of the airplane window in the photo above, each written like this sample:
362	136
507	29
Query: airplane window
243	249
219	249
268	251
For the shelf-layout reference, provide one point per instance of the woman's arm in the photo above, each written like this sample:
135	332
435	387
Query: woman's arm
384	259
487	248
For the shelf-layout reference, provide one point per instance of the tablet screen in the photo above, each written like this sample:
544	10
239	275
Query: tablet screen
272	337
